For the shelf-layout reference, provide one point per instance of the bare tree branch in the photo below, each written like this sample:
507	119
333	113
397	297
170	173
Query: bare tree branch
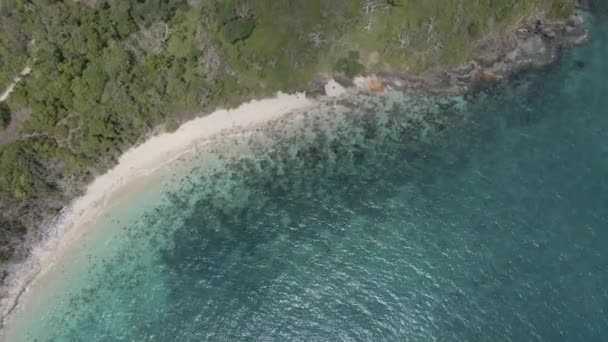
430	28
369	26
243	10
316	38
210	61
370	6
404	40
273	63
154	38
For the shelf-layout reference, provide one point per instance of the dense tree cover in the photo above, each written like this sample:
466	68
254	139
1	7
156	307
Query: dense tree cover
5	116
104	73
13	43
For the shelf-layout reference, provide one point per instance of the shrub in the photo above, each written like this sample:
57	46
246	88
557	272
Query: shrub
5	116
237	30
171	126
474	30
350	65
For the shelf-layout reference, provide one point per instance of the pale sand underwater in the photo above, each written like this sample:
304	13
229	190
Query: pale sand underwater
136	167
367	218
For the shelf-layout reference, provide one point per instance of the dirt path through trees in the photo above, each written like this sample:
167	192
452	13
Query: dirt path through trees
11	132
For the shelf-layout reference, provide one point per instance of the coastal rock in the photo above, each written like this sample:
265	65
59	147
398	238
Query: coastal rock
535	42
316	88
533	46
373	59
487	76
334	89
499	68
343	80
376	85
489	52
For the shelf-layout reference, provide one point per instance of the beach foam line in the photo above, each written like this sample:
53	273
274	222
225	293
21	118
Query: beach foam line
137	162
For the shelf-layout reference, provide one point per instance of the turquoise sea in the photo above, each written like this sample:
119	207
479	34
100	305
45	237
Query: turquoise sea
381	218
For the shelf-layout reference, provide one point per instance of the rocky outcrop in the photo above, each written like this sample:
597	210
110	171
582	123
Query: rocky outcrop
534	42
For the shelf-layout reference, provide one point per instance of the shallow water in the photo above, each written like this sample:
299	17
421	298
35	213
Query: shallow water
395	218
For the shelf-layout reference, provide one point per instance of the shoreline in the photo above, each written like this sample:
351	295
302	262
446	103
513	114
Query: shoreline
534	41
536	47
135	166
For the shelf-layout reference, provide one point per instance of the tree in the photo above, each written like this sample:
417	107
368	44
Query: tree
89	88
239	29
20	171
5	115
13	47
115	59
350	65
153	39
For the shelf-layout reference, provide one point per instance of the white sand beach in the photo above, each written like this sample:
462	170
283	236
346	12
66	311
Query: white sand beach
133	167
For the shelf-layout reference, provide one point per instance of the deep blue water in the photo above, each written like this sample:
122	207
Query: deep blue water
476	220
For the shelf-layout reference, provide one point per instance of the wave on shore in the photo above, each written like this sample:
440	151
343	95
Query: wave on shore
133	166
235	136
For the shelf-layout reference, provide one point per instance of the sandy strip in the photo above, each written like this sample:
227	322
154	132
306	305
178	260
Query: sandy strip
132	166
